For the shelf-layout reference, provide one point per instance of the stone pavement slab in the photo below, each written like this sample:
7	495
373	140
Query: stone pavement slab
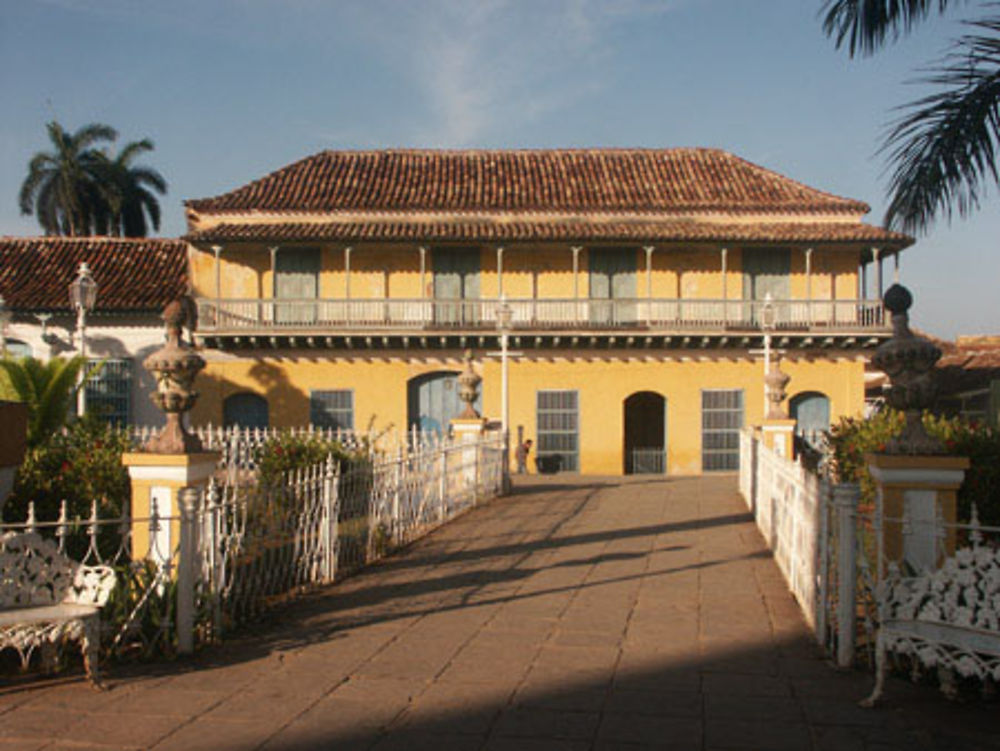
577	613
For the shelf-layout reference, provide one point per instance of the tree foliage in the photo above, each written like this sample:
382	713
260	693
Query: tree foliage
79	188
942	147
48	388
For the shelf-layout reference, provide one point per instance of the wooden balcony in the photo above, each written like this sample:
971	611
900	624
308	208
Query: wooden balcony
233	317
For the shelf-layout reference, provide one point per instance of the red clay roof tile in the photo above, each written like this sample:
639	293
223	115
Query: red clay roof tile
131	274
527	180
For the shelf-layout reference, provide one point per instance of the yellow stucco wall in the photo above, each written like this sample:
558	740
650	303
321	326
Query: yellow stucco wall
688	271
380	381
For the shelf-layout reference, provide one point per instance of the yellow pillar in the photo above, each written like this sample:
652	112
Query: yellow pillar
914	488
157	478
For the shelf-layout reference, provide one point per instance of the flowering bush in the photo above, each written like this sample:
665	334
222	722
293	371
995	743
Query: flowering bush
287	452
79	464
852	438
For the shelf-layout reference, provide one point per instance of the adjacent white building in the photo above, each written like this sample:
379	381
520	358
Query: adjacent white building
135	279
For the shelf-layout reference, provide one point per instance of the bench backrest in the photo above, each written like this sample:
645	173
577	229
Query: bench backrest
964	592
34	573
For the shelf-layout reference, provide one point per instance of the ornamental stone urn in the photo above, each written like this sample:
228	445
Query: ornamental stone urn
909	361
468	388
175	366
776	381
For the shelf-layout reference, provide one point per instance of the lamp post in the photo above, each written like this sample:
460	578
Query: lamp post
504	315
5	316
767	320
82	297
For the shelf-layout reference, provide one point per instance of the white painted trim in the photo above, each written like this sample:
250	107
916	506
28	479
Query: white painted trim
917	476
167	473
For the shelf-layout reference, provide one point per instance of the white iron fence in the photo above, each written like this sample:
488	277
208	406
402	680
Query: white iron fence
235	548
809	526
832	547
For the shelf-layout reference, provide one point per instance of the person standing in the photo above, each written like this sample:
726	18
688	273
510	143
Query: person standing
523	449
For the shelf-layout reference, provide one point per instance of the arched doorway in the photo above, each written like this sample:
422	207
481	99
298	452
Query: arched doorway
432	402
245	410
645	434
811	412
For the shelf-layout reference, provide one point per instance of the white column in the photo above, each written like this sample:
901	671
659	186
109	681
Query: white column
274	270
81	394
649	282
217	250
499	271
724	253
576	280
347	273
809	253
895	271
877	262
423	271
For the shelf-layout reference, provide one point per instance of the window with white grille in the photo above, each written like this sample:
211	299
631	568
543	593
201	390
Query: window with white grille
332	409
721	422
109	391
558	431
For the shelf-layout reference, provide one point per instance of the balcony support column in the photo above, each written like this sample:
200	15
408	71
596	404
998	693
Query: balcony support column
809	255
347	275
423	271
576	281
895	270
499	271
877	268
649	283
724	261
217	250
273	250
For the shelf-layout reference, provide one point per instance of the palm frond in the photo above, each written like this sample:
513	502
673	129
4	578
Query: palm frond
90	134
943	151
866	25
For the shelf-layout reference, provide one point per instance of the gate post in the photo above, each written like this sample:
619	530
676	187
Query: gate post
845	500
186	566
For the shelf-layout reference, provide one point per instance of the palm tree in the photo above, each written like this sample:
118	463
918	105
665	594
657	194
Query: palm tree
48	388
942	149
62	188
130	191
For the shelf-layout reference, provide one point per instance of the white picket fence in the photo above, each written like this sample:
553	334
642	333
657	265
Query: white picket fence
239	546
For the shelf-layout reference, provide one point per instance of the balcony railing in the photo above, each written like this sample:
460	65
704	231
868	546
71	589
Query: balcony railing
269	315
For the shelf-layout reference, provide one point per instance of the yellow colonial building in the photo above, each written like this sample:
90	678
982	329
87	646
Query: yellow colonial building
638	284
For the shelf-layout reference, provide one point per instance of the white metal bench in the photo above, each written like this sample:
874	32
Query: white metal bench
947	619
47	599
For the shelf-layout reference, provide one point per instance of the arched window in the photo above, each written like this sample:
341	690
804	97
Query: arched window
811	412
245	410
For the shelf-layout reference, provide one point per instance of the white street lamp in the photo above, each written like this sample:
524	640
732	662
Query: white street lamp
767	321
504	315
5	317
82	298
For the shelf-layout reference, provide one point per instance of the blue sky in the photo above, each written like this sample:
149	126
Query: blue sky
232	89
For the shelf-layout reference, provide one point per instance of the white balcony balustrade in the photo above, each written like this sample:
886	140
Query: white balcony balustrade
656	314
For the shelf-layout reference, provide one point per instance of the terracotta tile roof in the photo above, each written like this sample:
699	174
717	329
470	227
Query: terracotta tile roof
132	275
680	230
968	365
525	180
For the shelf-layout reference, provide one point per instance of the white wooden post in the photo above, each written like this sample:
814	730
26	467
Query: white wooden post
329	530
845	500
397	482
442	483
187	500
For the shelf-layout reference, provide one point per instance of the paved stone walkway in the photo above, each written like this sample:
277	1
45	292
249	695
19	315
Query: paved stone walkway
596	614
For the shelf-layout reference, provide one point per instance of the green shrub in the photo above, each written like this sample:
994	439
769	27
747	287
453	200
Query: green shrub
79	464
852	438
286	453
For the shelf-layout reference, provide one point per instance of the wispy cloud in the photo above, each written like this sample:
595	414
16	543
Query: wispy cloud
483	65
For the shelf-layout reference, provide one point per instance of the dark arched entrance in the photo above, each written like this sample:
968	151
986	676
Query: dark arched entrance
645	434
432	402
